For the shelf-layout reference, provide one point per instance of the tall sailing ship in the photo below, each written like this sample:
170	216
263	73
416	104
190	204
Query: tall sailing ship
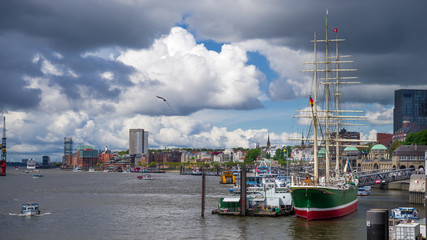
333	193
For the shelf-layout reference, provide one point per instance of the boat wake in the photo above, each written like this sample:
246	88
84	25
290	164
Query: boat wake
24	215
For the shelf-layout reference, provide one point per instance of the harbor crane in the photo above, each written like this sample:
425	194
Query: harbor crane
3	150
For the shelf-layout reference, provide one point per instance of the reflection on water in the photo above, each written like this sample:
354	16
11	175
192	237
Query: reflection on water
119	206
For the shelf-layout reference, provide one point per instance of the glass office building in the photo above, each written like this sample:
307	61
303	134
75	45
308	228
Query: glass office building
138	141
410	106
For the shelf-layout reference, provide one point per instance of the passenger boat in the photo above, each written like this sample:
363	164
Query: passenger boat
196	172
30	209
364	191
404	213
264	198
332	193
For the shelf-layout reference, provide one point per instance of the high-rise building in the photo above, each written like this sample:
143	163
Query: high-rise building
138	141
409	106
68	151
68	145
45	161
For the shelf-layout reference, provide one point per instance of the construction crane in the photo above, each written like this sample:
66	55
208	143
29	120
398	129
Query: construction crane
3	150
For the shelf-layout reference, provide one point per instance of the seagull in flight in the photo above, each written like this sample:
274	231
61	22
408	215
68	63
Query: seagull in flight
164	100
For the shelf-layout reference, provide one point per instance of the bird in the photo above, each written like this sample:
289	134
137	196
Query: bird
164	100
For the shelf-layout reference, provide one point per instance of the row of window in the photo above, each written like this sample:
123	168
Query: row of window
411	158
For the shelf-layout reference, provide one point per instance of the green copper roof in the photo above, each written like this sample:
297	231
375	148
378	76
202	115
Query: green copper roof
378	147
351	149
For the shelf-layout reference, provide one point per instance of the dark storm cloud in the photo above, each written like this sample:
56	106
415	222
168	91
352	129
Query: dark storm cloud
15	62
387	37
88	70
81	25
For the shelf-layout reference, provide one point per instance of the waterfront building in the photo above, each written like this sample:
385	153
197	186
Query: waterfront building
203	156
351	154
160	158
239	156
385	139
138	141
24	161
409	105
86	156
378	157
409	156
344	134
105	156
303	153
228	155
407	128
68	145
68	151
217	156
45	161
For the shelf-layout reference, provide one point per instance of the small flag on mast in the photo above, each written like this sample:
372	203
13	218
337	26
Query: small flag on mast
311	102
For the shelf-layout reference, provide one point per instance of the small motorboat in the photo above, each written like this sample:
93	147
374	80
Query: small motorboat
38	175
77	169
147	177
30	209
139	177
91	169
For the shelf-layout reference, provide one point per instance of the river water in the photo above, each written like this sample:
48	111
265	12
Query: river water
102	205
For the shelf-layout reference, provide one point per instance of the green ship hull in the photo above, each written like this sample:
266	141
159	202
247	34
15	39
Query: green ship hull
317	202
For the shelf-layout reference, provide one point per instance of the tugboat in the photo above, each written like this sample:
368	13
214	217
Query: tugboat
30	209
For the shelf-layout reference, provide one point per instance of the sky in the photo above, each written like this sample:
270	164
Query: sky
229	70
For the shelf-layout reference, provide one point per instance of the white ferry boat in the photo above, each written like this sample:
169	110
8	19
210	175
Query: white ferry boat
30	209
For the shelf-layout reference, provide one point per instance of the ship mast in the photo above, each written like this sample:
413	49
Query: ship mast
327	168
316	160
330	116
337	99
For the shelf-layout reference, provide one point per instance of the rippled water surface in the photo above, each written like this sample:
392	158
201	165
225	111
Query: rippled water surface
102	205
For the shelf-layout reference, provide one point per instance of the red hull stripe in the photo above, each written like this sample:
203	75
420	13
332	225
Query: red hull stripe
311	214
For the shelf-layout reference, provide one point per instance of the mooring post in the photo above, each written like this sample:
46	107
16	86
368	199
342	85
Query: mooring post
203	193
243	191
377	224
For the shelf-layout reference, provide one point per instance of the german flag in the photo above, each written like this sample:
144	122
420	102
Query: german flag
311	102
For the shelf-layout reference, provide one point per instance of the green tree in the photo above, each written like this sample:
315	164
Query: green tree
393	146
279	155
251	155
419	138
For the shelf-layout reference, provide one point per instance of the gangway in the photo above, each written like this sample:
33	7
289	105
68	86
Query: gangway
377	176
